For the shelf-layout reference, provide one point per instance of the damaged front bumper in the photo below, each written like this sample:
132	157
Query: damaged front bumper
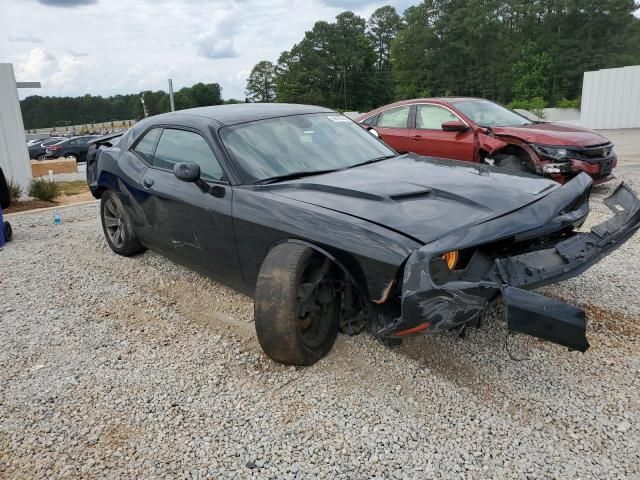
429	303
600	171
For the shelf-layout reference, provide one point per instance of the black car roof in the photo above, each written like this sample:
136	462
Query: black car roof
246	112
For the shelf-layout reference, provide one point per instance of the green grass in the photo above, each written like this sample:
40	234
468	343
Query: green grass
72	188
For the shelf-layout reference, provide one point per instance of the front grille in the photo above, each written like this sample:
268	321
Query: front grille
605	168
594	153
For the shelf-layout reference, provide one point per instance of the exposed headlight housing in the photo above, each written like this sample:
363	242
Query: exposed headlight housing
552	152
451	259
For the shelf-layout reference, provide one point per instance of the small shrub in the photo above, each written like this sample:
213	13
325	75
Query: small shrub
534	105
564	103
15	190
43	189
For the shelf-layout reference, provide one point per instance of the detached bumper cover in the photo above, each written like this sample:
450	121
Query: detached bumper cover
430	307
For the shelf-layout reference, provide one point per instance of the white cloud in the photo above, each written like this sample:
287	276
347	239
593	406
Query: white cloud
24	38
67	3
124	47
217	42
65	78
37	64
213	47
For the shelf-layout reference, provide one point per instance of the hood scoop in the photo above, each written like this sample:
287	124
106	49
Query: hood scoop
407	196
318	187
434	193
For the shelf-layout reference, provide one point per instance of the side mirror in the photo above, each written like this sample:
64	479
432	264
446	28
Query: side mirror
454	126
190	172
374	133
187	171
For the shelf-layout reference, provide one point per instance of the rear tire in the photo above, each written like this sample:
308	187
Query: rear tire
285	334
117	226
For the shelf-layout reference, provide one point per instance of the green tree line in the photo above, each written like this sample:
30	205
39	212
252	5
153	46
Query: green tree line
43	112
505	50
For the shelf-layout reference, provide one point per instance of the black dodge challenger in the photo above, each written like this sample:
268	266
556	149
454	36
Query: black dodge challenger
330	230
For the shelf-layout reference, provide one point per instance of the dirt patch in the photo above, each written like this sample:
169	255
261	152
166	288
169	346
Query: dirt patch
206	309
612	321
27	205
601	320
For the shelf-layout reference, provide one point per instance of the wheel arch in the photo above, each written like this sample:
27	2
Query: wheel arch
521	149
347	263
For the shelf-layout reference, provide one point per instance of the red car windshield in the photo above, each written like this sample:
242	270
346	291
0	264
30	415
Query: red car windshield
489	114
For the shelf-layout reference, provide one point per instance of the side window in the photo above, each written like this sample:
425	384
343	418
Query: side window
177	146
394	118
431	117
369	121
147	144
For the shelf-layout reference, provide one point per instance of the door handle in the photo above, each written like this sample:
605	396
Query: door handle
416	137
147	182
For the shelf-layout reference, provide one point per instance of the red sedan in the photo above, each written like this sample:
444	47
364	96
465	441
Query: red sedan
478	130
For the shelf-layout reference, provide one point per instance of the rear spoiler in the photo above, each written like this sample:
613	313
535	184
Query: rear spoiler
105	140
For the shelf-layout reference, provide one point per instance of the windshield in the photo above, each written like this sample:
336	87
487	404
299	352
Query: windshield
299	143
489	114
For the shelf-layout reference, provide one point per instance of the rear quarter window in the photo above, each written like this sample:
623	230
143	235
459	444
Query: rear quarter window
145	148
397	117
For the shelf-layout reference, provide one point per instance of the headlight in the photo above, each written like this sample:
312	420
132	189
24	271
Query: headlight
552	152
451	258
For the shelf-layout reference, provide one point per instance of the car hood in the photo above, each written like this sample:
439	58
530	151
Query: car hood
548	133
423	198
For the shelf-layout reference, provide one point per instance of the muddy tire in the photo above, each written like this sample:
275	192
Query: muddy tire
287	332
117	226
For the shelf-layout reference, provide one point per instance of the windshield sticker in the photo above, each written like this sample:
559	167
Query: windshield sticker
338	118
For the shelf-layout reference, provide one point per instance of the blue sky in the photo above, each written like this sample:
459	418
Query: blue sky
104	47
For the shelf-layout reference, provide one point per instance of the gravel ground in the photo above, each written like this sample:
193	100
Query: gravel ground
133	368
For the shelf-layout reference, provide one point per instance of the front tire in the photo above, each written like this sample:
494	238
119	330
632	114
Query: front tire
296	309
117	226
511	162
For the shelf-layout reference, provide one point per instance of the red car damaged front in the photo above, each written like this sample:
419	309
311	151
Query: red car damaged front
562	151
478	130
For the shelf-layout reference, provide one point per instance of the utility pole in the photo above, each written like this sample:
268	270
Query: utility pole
173	105
344	81
144	106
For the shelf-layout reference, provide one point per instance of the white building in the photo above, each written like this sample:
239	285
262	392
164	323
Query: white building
14	156
611	98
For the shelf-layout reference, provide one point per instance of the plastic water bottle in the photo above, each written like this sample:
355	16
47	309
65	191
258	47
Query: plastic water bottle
57	218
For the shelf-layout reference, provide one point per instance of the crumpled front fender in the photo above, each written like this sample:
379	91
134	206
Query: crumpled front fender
427	306
489	143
